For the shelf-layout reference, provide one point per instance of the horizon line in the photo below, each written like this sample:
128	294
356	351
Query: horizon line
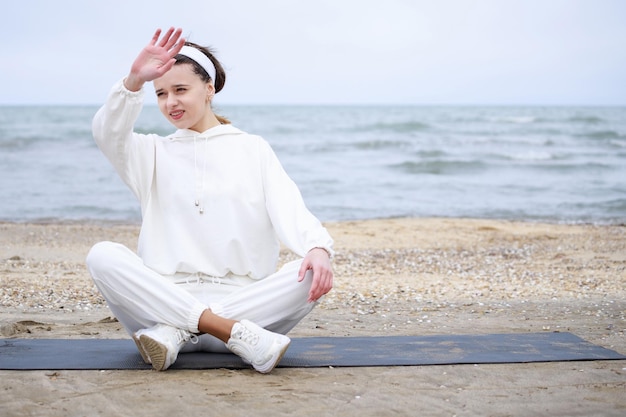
286	104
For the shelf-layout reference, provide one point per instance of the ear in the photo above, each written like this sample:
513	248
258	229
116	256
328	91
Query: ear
210	90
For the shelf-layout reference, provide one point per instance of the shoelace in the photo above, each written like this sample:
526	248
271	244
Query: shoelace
248	336
183	336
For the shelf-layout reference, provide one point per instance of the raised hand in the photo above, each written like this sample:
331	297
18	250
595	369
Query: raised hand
155	59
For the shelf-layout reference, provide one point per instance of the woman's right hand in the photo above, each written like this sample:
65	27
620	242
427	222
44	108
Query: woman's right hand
155	59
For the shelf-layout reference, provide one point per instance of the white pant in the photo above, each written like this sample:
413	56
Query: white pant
139	297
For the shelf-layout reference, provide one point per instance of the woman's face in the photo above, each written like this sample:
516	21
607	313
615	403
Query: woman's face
183	98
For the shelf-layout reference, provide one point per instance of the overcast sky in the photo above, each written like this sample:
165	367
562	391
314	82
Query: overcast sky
528	52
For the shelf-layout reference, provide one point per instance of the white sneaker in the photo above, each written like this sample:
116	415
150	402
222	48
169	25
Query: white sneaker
259	347
161	343
144	354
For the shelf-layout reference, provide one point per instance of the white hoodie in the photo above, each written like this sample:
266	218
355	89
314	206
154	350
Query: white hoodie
249	203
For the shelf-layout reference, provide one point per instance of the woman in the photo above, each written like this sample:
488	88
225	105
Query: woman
216	203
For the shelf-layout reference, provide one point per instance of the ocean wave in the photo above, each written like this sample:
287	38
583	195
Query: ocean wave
531	155
615	206
514	119
431	153
569	167
551	117
439	167
25	139
16	143
396	127
381	144
586	119
603	134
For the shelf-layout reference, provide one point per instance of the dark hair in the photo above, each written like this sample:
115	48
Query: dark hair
220	74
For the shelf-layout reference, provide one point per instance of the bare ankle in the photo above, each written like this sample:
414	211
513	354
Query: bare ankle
215	325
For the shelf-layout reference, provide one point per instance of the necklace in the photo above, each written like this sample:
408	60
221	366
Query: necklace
199	184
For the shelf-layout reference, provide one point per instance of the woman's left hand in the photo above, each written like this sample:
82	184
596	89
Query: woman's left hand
318	261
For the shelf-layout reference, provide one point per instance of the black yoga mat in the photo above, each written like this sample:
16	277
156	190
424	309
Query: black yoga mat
68	354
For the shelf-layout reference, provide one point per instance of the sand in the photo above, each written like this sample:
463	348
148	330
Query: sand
393	277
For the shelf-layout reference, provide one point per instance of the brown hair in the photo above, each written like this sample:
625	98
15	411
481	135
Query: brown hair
220	74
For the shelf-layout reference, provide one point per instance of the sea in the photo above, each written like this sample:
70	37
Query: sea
548	164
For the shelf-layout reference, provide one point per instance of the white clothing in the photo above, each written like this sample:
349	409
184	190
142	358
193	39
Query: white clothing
224	258
250	203
140	298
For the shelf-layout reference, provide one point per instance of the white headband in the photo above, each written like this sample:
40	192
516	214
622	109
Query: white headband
200	58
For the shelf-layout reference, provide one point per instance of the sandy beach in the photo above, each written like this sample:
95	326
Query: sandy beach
393	277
